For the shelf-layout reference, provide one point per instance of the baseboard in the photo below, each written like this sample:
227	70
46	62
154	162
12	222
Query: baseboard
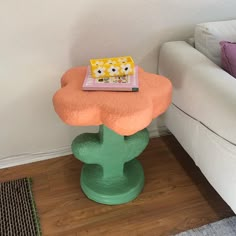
163	131
159	131
26	158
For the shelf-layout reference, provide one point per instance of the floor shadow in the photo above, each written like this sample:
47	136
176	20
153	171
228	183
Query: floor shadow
195	174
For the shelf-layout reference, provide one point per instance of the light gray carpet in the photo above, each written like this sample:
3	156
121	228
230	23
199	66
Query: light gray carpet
225	227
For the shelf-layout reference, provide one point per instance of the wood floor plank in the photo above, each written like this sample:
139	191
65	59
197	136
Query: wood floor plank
176	196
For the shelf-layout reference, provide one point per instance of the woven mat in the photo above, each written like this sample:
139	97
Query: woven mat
225	227
17	209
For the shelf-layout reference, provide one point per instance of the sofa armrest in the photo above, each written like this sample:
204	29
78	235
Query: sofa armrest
200	87
180	56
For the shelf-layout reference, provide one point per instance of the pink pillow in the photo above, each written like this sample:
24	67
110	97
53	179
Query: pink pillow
228	57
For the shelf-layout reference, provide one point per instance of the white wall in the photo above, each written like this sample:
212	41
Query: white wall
40	40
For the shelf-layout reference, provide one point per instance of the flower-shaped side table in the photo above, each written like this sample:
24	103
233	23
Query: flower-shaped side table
111	175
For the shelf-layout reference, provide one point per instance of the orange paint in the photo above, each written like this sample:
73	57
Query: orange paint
124	112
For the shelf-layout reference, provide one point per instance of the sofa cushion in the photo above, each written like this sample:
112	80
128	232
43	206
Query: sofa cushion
228	57
208	36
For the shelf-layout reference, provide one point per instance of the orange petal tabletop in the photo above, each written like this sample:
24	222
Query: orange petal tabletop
111	175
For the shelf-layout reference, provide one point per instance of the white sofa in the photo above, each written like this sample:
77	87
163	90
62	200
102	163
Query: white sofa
203	112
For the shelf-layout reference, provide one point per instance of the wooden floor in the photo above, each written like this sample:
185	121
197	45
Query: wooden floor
176	196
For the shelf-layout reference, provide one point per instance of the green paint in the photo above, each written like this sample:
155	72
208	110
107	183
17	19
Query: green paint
111	175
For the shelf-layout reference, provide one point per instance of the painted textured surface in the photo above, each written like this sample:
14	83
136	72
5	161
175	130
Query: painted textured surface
111	175
125	113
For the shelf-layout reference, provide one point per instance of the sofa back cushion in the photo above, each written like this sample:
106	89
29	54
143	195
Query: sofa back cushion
228	57
208	36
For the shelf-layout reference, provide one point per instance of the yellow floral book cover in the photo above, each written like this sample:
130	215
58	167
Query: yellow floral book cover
116	66
112	83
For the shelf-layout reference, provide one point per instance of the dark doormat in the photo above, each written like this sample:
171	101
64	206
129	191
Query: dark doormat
18	215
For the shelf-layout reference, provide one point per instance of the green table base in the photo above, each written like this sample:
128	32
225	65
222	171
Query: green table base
111	175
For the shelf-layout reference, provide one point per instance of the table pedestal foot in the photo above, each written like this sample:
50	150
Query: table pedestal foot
113	190
111	174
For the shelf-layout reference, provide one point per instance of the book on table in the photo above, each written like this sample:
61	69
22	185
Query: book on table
114	83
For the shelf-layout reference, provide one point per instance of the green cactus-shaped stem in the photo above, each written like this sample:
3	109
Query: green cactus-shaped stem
111	175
